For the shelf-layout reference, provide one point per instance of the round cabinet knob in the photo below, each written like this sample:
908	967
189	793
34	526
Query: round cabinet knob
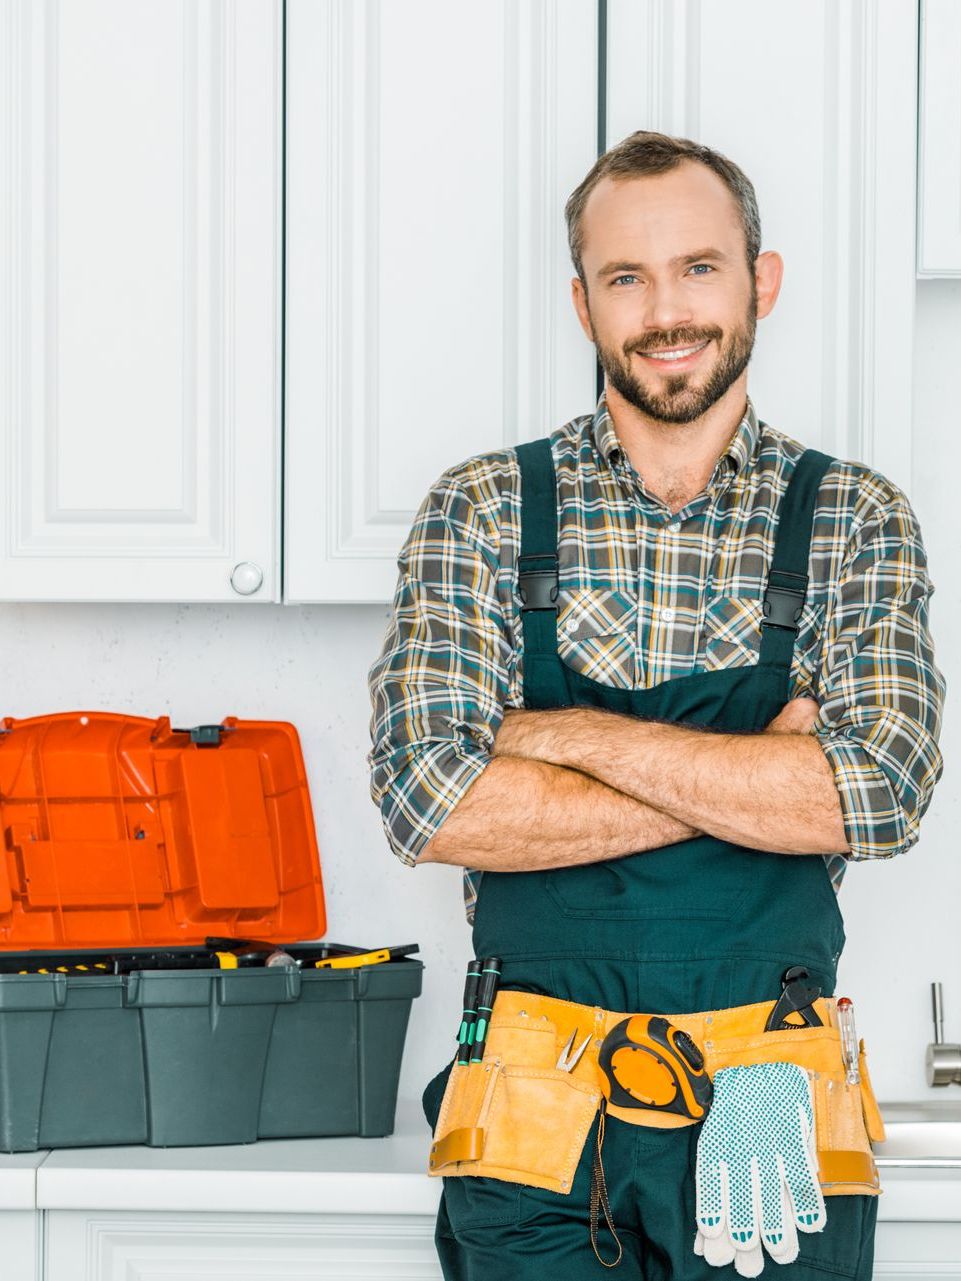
247	578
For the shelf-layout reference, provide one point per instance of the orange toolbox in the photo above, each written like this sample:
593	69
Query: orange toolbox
148	872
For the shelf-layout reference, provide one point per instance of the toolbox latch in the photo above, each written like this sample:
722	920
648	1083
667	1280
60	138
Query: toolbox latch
204	735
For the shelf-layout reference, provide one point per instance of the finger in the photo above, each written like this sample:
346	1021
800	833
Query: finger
719	1251
749	1263
778	1230
807	1199
742	1210
710	1200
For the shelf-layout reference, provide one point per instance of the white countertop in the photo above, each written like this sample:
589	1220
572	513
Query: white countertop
329	1176
18	1179
294	1176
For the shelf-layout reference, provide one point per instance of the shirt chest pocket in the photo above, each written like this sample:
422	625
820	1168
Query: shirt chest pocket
732	637
597	634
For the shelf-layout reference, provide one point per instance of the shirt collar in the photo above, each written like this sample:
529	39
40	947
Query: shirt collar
739	451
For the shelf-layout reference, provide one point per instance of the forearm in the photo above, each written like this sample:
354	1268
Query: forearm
765	791
521	815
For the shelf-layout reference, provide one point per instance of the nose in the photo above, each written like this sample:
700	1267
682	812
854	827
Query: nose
666	307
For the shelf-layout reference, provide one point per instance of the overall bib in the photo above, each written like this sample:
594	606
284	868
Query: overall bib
702	924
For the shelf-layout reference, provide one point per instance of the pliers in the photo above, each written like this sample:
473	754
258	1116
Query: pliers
567	1061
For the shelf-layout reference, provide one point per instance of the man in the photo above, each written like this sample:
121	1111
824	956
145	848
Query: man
728	691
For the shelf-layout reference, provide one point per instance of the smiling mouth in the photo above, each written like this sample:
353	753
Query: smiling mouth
674	355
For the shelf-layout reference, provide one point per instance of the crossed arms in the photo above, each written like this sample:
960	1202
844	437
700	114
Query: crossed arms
459	780
591	785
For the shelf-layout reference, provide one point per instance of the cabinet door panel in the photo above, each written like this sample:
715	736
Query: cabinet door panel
90	1246
939	140
140	331
827	137
430	150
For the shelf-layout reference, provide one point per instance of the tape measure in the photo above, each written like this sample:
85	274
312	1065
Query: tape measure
647	1062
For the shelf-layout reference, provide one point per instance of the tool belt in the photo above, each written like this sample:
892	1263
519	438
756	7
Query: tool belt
515	1116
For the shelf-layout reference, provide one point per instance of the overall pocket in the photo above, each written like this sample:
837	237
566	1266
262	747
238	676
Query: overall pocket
718	880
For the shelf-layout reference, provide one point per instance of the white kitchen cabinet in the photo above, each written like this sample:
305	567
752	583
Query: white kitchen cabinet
430	150
909	1251
87	1246
20	1245
939	140
827	137
356	1221
140	253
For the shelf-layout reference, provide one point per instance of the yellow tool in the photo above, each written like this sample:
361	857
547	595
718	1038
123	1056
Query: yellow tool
647	1062
365	958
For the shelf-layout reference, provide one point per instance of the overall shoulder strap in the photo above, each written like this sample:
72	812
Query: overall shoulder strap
537	576
787	581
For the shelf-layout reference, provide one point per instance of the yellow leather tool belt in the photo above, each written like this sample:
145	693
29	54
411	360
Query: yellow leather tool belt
516	1116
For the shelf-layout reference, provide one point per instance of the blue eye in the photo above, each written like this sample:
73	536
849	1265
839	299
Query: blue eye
702	264
625	277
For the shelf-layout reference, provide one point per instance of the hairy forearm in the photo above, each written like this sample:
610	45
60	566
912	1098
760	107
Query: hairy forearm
521	815
766	791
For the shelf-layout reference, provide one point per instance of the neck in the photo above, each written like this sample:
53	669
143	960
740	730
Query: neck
676	460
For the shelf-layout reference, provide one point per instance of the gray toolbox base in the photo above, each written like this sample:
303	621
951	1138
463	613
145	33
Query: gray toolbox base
178	1058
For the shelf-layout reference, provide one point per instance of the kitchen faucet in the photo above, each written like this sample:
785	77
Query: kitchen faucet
942	1062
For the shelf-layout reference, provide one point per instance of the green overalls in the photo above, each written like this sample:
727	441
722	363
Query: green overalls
702	924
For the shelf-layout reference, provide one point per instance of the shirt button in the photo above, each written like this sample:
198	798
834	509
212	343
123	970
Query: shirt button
571	625
667	615
674	526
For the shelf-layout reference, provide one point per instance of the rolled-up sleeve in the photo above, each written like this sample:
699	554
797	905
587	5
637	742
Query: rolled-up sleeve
881	694
438	687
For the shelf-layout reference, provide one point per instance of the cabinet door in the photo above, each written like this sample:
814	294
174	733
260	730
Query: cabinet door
915	1251
95	1246
827	137
939	137
140	252
430	150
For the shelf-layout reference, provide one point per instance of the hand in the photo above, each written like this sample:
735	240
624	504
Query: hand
796	717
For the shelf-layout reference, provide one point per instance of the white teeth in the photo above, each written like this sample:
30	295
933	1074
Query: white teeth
674	355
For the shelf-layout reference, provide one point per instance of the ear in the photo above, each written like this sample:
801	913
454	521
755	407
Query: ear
579	299
768	273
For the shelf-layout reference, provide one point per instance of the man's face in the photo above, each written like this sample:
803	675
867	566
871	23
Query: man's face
641	302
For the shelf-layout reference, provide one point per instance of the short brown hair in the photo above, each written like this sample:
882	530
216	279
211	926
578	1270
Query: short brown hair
645	152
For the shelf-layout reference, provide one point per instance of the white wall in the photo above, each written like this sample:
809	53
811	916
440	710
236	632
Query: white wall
308	665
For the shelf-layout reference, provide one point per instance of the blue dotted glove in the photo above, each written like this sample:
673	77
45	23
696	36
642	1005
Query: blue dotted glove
757	1171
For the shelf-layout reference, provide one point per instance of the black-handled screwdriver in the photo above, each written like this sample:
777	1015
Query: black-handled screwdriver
465	1035
490	976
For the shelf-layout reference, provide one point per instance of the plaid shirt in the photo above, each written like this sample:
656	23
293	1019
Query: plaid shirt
647	595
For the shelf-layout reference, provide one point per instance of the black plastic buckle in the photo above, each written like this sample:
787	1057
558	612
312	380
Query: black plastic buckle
784	599
537	587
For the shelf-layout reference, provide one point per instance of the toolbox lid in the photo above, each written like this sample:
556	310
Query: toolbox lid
120	831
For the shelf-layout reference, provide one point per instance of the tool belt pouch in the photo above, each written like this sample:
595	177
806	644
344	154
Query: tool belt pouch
847	1118
515	1116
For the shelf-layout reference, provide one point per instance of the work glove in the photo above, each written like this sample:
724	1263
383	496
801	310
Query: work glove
756	1171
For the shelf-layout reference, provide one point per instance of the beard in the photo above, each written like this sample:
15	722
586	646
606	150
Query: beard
682	397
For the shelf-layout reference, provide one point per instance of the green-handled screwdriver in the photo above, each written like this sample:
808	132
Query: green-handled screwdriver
466	1034
490	975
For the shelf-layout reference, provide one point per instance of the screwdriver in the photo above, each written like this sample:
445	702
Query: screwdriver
490	975
465	1036
849	1039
